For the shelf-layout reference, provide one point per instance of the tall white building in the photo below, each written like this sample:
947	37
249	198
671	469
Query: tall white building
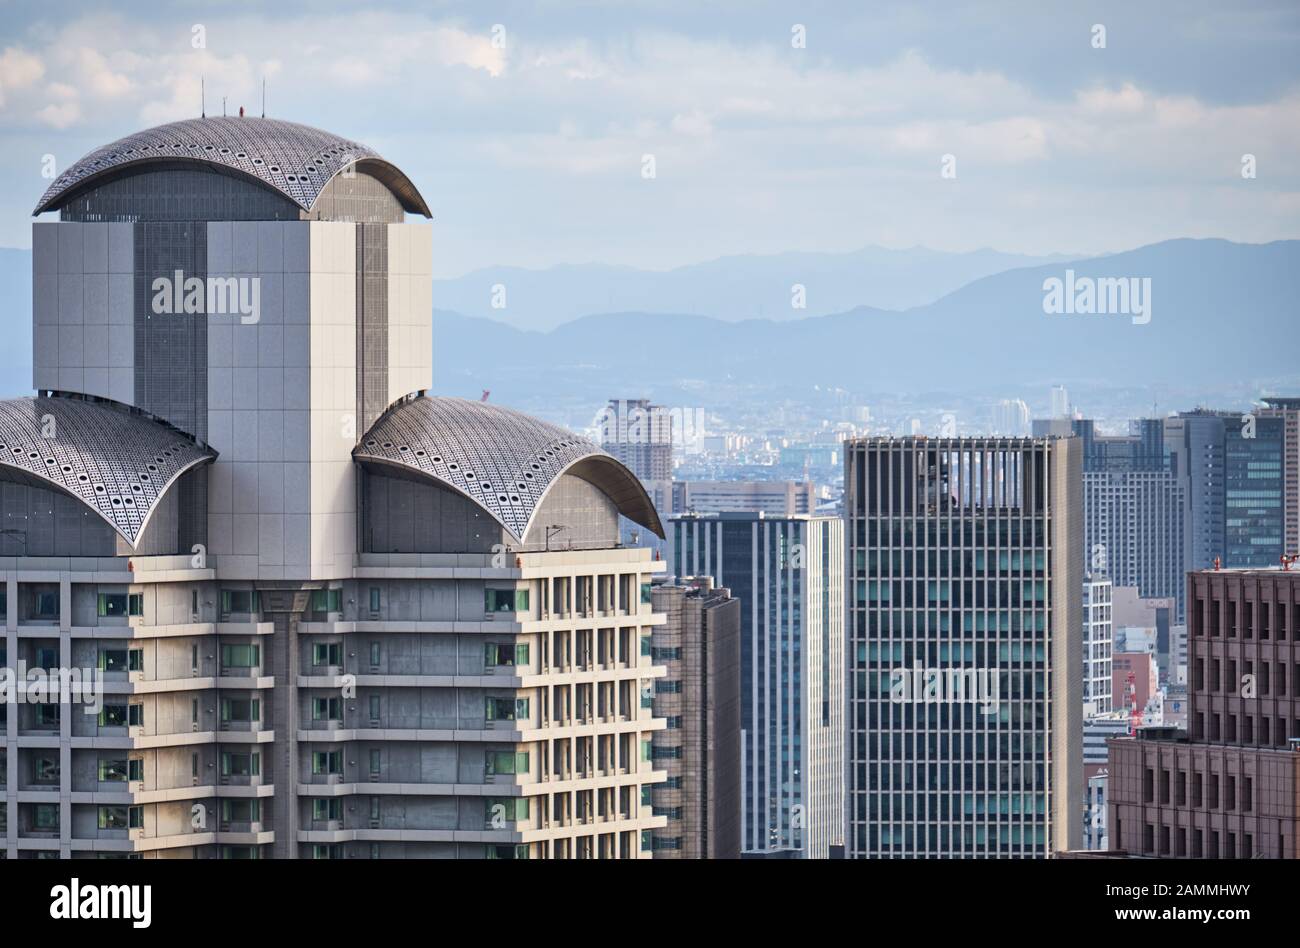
1097	644
333	617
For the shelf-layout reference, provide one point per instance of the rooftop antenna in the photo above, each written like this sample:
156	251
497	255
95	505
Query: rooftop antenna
203	99
264	97
223	106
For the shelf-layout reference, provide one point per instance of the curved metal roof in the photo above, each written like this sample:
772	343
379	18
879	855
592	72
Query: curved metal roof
117	462
503	460
296	160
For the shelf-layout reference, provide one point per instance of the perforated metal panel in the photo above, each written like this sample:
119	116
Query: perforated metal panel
117	463
296	160
503	460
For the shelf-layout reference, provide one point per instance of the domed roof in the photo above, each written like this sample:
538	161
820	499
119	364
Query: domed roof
295	160
117	461
503	460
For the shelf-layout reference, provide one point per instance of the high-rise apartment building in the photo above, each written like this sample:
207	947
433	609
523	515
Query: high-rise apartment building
1097	644
1011	418
699	701
641	436
788	574
965	646
1288	409
332	617
1228	787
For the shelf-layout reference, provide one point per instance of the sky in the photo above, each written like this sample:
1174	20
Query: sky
530	127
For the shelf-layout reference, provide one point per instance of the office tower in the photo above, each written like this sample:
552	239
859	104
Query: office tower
965	644
1060	402
1097	644
1288	409
1134	509
699	700
1233	467
788	574
335	617
1011	418
1227	789
774	498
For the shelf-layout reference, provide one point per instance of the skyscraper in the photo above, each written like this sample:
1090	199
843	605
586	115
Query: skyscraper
787	573
699	701
1233	468
333	617
965	643
1134	510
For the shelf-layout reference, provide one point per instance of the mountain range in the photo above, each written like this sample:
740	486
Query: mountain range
1220	314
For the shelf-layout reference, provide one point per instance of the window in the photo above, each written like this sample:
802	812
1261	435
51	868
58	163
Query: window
645	593
374	760
112	715
135	660
135	715
135	768
646	750
241	656
374	599
112	660
194	603
112	604
327	600
326	653
236	764
508	852
326	709
507	762
505	600
45	605
504	809
243	710
112	818
47	658
47	770
112	771
375	653
238	600
374	707
505	654
326	809
506	709
135	817
646	648
45	816
48	714
327	762
135	604
241	811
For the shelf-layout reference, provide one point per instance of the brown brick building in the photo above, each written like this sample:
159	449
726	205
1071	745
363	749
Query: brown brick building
1230	786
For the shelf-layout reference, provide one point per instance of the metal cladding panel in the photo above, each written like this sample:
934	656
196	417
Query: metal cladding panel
117	463
296	160
503	460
